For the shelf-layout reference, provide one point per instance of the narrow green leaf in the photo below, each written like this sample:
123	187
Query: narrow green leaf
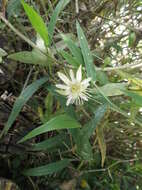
101	141
59	122
50	143
76	52
21	100
113	107
102	77
87	55
60	6
2	52
132	39
137	98
98	116
112	89
84	149
49	106
71	60
47	169
30	57
36	21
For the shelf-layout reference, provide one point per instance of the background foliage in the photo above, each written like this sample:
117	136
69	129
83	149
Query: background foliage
99	146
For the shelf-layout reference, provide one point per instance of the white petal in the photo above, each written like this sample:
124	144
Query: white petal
79	74
72	75
84	97
87	94
63	92
86	81
66	93
64	78
78	101
69	101
62	86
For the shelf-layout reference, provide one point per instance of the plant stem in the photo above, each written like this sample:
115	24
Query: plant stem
19	33
127	66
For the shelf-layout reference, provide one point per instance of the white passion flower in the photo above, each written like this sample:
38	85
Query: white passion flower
74	88
40	43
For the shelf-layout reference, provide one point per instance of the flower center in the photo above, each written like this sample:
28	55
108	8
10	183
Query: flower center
75	88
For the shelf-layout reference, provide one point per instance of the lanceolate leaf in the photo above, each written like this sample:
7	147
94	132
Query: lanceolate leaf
96	120
60	6
36	21
82	136
71	60
83	146
21	100
87	55
135	95
47	169
59	122
112	89
101	141
50	144
76	52
30	57
2	52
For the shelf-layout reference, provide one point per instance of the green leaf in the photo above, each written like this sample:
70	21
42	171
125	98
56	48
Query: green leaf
137	98
30	57
113	89
2	52
132	39
84	149
102	77
71	60
107	61
101	141
48	106
21	101
59	122
47	169
60	6
96	120
87	55
37	22
76	52
50	143
97	123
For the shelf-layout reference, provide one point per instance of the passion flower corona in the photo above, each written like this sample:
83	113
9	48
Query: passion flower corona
74	88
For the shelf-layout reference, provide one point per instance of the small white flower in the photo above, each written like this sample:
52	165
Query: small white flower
40	43
75	89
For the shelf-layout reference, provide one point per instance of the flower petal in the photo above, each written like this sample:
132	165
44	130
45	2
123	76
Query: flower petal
72	75
86	81
79	74
84	97
69	101
61	86
63	92
64	78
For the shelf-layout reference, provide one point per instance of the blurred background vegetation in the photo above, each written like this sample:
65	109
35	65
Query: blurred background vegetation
114	32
